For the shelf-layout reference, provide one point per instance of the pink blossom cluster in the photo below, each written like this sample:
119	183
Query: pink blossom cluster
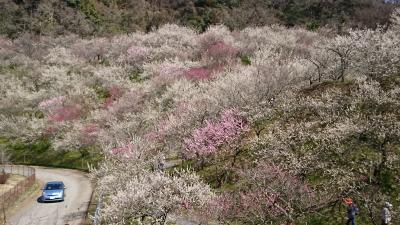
152	136
66	113
219	53
89	133
221	50
49	131
49	103
198	73
125	150
207	139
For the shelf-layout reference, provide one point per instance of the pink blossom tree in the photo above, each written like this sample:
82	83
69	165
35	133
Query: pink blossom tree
89	134
212	136
198	73
125	150
220	52
66	113
219	139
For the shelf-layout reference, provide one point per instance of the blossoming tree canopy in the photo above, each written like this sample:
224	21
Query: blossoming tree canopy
208	139
283	122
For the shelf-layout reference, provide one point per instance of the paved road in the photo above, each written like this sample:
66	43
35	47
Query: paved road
71	211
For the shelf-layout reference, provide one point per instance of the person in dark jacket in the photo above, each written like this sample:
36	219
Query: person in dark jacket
352	211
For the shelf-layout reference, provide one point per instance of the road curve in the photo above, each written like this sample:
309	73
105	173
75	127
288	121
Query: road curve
72	211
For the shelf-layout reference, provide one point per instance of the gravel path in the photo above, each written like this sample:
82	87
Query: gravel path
72	211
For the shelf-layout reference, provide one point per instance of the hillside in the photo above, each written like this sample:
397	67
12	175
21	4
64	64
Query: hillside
264	125
108	17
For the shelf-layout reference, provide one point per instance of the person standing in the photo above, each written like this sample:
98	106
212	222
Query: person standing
352	211
386	217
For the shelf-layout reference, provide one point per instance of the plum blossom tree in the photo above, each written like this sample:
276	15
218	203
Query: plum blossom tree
396	20
362	52
65	113
272	195
200	73
51	103
331	131
340	51
27	129
376	52
92	50
137	53
217	40
61	56
149	195
252	87
208	139
220	52
218	139
89	134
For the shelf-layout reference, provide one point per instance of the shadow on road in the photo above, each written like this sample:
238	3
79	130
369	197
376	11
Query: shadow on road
40	200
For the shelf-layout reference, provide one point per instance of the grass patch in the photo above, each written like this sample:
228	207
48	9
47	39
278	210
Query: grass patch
136	76
40	153
245	60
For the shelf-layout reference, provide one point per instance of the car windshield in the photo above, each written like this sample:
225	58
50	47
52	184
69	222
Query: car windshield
54	186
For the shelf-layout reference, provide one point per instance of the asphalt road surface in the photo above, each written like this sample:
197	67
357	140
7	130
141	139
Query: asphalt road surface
72	211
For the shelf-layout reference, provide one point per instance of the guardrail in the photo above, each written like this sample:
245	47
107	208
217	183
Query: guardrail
9	197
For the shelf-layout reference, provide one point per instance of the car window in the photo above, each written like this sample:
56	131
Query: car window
54	186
